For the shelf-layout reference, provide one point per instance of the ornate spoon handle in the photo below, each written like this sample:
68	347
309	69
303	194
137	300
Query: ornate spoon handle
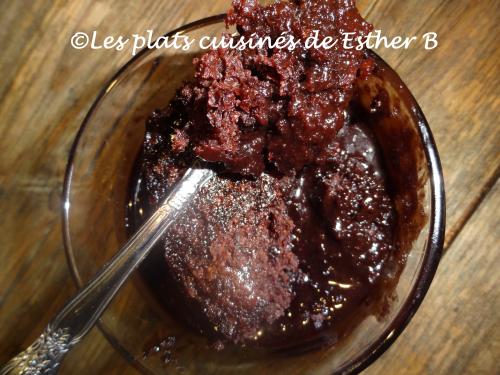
81	313
42	357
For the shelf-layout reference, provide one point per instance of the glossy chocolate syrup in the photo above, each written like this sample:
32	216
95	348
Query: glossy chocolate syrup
335	225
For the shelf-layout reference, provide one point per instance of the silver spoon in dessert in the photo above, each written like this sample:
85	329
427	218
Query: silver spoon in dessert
81	313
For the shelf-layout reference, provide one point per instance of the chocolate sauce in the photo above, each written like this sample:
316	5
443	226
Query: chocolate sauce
341	238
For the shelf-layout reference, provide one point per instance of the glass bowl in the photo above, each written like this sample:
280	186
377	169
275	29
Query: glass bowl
95	195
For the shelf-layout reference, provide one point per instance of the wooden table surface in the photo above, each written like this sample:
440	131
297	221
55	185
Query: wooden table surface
46	87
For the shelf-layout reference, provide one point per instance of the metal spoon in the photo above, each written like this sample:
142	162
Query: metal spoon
80	314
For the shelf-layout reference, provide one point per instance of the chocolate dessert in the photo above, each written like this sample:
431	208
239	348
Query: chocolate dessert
296	235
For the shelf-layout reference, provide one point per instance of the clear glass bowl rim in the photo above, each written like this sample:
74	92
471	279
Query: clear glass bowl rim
433	251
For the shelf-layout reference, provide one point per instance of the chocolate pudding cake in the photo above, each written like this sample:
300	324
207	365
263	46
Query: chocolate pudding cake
296	235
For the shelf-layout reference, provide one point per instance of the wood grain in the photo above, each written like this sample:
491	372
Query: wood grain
456	329
47	87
